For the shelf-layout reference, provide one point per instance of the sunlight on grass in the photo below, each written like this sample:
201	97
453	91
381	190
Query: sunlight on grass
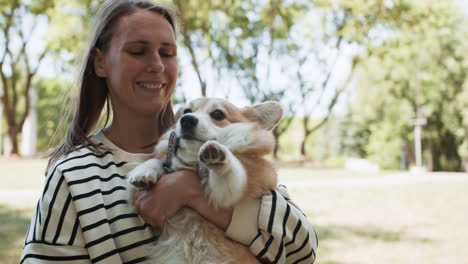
13	227
417	223
305	174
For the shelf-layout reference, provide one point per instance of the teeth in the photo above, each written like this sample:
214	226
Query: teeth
151	86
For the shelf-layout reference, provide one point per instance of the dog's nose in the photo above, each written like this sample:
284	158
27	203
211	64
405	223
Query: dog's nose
188	122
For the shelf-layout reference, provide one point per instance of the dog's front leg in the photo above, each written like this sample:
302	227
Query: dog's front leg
146	174
227	177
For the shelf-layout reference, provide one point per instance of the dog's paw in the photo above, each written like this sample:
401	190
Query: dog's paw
142	177
212	153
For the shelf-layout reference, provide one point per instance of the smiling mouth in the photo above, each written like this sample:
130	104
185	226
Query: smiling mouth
151	86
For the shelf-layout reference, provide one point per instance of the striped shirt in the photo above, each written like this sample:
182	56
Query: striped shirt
83	216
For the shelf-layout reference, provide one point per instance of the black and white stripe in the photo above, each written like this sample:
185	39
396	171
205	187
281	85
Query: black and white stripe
83	214
284	234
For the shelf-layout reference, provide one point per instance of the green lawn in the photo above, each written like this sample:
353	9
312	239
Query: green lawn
14	224
359	218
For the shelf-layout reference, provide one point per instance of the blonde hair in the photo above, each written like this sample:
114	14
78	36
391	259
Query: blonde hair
93	91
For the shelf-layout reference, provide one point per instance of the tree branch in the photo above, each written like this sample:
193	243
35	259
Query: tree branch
334	100
188	44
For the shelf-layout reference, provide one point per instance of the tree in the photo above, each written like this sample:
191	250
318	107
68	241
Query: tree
254	37
344	28
420	63
240	40
52	92
19	63
25	47
195	16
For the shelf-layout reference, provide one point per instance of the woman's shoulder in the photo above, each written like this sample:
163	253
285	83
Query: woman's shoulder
81	156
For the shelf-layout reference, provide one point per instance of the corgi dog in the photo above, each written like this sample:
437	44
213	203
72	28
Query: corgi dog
230	144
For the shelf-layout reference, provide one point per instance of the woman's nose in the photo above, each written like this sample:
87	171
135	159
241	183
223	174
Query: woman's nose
155	64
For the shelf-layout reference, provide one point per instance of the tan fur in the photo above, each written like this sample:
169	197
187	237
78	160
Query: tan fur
261	176
189	238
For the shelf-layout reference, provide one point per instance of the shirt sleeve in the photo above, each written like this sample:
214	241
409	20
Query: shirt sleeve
278	232
54	234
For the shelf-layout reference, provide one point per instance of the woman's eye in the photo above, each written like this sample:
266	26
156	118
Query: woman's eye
137	53
217	115
166	54
188	110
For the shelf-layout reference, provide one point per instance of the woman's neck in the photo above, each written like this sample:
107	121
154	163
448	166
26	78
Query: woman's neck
134	136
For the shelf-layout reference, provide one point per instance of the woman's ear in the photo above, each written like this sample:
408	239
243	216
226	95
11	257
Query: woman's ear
99	65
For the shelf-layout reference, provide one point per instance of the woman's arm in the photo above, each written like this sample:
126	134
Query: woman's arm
52	234
275	229
174	191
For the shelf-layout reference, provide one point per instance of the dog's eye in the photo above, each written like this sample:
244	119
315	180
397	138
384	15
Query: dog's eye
188	110
217	115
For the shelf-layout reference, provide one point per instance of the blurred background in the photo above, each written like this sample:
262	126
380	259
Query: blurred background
374	141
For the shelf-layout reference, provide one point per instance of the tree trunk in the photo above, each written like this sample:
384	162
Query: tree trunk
276	135
275	151
189	45
13	136
305	122
430	160
279	130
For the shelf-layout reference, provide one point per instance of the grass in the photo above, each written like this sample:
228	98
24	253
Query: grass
356	223
14	224
414	223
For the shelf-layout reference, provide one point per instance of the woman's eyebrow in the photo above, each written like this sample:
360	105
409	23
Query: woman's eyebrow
138	42
145	42
170	44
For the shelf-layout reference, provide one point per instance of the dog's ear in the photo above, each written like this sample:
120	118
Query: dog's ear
268	114
179	113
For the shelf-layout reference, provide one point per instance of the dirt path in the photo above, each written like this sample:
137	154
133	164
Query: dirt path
21	199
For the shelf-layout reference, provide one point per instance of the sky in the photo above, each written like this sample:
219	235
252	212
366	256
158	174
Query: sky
463	4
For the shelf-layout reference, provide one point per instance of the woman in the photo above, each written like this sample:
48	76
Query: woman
83	215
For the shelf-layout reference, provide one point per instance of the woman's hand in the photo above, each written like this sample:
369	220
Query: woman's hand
174	191
170	193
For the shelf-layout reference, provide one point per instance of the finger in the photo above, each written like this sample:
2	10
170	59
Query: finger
141	201
151	219
158	222
147	220
140	195
135	197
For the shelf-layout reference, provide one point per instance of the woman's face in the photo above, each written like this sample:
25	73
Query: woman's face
140	65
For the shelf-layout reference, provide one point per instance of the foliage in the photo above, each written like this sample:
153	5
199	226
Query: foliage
18	63
407	58
418	71
241	40
51	93
26	45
